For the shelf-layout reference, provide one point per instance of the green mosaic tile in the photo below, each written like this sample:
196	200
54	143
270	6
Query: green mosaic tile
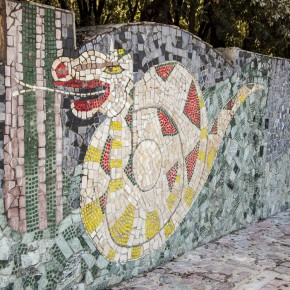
30	130
216	210
50	168
69	233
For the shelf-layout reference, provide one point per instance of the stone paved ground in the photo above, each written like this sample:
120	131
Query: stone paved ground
257	257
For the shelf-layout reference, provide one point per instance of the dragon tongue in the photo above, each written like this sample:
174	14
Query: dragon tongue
88	105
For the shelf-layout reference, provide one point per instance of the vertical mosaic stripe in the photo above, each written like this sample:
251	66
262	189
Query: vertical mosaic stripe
14	185
59	157
64	24
34	180
50	148
58	125
40	96
30	117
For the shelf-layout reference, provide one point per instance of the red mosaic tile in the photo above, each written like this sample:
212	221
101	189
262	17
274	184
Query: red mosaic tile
167	124
214	128
103	202
105	159
171	175
129	118
190	162
192	109
61	70
129	170
165	70
230	104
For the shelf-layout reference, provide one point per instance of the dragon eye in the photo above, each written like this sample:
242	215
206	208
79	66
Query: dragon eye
113	69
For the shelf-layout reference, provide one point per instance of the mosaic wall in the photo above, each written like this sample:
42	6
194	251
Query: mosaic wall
136	147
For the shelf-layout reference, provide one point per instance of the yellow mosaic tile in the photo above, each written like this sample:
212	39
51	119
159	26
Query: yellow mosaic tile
210	158
111	255
116	144
116	125
121	229
136	252
242	99
171	200
203	133
201	103
169	228
92	216
93	154
115	184
188	196
115	163
116	69
152	224
121	51
130	211
201	156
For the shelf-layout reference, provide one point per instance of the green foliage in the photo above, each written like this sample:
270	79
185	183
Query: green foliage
257	25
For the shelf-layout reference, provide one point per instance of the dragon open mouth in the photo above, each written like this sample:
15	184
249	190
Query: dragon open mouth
86	95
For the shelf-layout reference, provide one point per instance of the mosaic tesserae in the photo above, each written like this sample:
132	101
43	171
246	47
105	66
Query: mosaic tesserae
142	143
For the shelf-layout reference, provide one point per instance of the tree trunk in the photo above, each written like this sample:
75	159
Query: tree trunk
215	41
84	13
98	12
156	11
249	40
204	27
208	28
91	13
191	21
132	10
177	11
64	4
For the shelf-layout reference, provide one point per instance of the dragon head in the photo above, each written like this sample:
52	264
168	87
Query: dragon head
95	82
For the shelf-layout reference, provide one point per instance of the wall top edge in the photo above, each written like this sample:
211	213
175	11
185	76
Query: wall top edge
41	5
88	33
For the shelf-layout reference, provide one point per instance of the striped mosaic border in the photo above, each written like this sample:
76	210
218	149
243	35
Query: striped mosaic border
34	181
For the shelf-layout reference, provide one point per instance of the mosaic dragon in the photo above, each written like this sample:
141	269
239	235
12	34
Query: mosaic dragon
147	163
